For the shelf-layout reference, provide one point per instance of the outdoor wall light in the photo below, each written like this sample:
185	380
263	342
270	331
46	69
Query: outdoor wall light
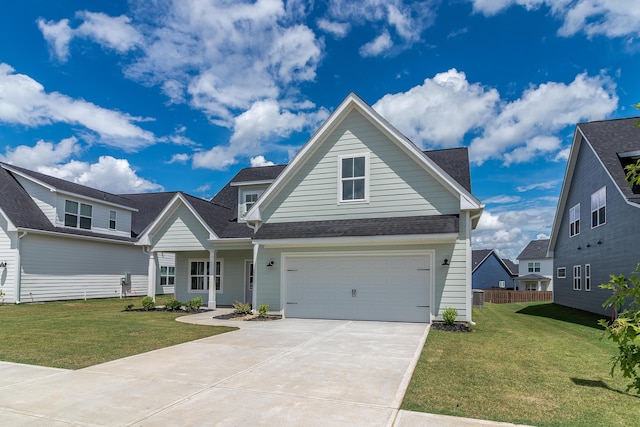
579	247
3	264
445	262
270	264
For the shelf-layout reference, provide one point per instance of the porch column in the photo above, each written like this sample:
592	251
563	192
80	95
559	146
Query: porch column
212	280
254	295
152	275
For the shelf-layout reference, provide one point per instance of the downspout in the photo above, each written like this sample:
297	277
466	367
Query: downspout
18	269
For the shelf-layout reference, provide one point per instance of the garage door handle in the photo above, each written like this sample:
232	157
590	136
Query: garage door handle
292	303
424	269
422	306
291	270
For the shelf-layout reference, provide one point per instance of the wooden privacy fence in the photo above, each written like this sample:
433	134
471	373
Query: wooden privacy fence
502	296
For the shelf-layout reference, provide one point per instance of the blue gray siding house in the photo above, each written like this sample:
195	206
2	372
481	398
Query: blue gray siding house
491	271
597	223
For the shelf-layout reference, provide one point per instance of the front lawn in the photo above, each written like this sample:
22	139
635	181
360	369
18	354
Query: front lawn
537	363
77	334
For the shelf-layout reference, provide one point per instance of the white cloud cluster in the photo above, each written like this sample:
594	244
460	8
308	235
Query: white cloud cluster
446	108
24	101
108	174
592	17
401	23
441	111
260	161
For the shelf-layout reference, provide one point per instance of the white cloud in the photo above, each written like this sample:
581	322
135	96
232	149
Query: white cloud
502	199
375	47
527	125
24	101
260	161
109	174
179	158
538	186
592	17
336	29
112	32
42	154
441	111
58	35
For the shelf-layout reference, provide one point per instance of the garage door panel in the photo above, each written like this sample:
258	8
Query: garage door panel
373	287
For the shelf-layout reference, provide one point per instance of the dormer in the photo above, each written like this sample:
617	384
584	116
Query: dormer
248	194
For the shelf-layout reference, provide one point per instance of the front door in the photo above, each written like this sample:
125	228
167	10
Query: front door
248	281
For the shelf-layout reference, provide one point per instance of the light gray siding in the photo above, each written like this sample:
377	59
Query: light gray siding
42	196
7	255
608	249
165	259
398	186
55	268
181	232
99	216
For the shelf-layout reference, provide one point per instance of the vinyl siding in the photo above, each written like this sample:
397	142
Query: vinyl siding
99	216
546	269
181	232
398	186
616	236
62	269
42	196
8	255
232	276
450	282
490	273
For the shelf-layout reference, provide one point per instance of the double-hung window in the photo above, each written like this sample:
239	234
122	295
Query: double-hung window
199	273
561	272
598	207
249	200
577	278
587	277
574	220
534	267
353	185
77	215
112	220
167	275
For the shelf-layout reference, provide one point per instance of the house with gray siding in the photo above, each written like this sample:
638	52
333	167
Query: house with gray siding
60	240
491	271
597	222
535	267
361	224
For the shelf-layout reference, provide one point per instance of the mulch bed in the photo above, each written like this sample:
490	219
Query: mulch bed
248	317
456	327
200	310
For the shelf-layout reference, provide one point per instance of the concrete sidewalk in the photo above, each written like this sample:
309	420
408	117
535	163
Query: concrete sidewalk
288	372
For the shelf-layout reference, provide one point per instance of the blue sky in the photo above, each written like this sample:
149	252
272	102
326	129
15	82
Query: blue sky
180	94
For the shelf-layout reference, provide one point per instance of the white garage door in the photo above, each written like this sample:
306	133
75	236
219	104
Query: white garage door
384	287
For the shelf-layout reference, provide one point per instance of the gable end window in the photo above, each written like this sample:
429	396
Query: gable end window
574	220
577	277
249	200
112	220
533	267
561	272
77	215
598	207
353	183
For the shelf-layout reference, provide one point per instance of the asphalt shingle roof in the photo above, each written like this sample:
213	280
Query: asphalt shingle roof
455	162
609	138
536	249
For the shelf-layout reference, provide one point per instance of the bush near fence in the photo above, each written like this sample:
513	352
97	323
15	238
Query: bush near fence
502	296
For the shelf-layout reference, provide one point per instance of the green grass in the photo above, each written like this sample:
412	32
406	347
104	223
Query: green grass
538	364
77	334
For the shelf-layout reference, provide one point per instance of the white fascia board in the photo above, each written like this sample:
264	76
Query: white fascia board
29	177
248	183
10	226
360	240
166	212
74	236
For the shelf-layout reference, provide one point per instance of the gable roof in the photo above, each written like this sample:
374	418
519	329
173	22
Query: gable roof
511	266
610	141
353	102
536	249
479	256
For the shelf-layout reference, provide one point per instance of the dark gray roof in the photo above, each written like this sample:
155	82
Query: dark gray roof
478	256
511	266
72	187
536	249
455	162
433	224
149	206
533	276
609	138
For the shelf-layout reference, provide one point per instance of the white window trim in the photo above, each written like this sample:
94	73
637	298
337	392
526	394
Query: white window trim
531	267
189	276
115	220
242	202
597	209
576	220
564	272
587	277
77	214
366	178
577	278
167	275
221	275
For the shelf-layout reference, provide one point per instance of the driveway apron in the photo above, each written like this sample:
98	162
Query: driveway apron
285	372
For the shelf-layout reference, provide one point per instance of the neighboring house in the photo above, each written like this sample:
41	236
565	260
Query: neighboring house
597	223
361	224
535	268
491	271
60	240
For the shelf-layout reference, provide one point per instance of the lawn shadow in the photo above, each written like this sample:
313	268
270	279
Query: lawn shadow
564	314
600	384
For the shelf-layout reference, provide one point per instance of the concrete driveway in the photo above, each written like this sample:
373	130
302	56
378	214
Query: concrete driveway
285	372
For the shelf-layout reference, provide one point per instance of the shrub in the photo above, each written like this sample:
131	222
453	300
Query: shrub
148	303
449	315
263	309
193	304
173	305
241	307
128	307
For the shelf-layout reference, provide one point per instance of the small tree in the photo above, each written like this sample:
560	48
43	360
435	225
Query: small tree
625	329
